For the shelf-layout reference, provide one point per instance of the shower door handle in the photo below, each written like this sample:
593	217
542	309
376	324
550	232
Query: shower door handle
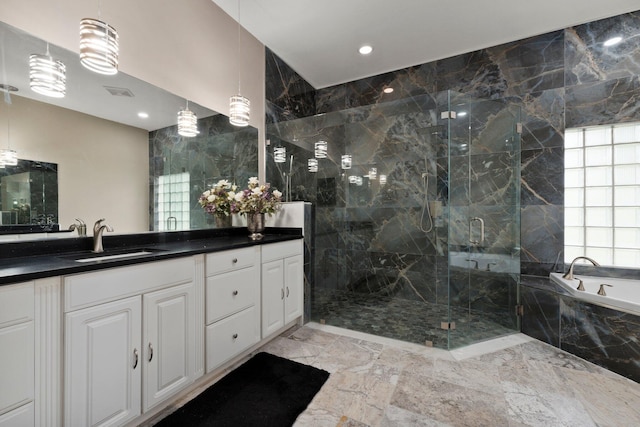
471	239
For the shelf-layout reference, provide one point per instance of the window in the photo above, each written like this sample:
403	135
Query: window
602	194
172	202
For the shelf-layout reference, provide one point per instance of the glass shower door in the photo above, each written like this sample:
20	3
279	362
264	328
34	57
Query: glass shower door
484	218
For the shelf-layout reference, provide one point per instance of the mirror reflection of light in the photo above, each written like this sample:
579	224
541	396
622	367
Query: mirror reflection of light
613	41
462	113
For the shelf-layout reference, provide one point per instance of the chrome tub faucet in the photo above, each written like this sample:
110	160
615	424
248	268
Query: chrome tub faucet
569	274
98	229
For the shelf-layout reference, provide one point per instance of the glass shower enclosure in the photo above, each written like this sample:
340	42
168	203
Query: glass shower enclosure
417	237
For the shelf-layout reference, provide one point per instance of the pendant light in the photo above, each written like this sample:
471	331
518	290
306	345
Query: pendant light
320	150
187	122
47	76
98	46
346	161
239	106
280	154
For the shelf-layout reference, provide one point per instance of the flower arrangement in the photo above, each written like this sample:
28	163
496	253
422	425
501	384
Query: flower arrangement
220	200
256	199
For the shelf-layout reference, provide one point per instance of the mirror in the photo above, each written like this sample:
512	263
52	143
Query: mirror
102	146
29	195
602	194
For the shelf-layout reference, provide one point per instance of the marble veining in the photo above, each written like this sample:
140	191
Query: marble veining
558	80
385	383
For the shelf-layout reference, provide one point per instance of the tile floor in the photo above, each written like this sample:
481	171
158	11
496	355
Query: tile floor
509	381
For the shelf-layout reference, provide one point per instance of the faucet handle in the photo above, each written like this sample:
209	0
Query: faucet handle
601	290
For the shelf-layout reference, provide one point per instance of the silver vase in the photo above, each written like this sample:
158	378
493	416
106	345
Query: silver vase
223	221
255	225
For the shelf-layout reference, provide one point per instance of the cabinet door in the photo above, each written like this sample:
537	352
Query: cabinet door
293	287
16	365
103	364
168	342
272	297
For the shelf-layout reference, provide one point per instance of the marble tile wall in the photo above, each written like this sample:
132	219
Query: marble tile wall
561	79
220	151
606	337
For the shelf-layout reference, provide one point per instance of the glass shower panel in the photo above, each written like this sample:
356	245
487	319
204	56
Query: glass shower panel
484	209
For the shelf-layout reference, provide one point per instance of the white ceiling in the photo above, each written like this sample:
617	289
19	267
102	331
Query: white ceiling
320	38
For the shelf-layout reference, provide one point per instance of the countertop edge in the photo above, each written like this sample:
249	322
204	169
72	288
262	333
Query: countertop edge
23	269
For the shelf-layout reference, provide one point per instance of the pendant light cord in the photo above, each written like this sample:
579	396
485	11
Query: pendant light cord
239	49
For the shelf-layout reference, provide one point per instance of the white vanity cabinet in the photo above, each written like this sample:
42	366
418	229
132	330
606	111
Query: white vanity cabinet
131	339
282	285
17	338
233	303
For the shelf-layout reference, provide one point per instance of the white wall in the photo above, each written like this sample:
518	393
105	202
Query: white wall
103	167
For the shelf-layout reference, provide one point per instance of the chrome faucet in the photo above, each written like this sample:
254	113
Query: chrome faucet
569	274
98	229
81	227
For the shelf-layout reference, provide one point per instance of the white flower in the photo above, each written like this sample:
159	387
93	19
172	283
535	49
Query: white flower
234	188
253	181
277	194
223	183
239	196
231	195
211	197
257	191
206	193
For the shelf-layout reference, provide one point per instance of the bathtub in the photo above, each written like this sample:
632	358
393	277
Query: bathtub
623	295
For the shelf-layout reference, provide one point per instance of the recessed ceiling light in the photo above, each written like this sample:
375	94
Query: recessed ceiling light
388	90
143	115
365	50
612	41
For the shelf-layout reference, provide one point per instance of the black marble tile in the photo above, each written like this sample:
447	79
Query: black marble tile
293	96
542	177
542	234
531	65
540	319
588	60
606	337
406	83
603	102
474	73
543	119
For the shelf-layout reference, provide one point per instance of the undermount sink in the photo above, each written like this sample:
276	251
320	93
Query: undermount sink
111	255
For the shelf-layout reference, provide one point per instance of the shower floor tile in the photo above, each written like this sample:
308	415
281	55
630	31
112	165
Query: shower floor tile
407	320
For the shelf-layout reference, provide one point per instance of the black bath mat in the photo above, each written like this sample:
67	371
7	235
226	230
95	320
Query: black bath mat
266	391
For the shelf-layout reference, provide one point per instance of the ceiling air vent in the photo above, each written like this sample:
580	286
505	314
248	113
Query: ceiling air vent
119	91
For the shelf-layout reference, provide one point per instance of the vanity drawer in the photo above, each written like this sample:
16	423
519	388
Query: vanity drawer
228	293
234	259
229	337
16	303
281	250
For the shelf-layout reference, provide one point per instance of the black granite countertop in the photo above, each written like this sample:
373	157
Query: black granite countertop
23	261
